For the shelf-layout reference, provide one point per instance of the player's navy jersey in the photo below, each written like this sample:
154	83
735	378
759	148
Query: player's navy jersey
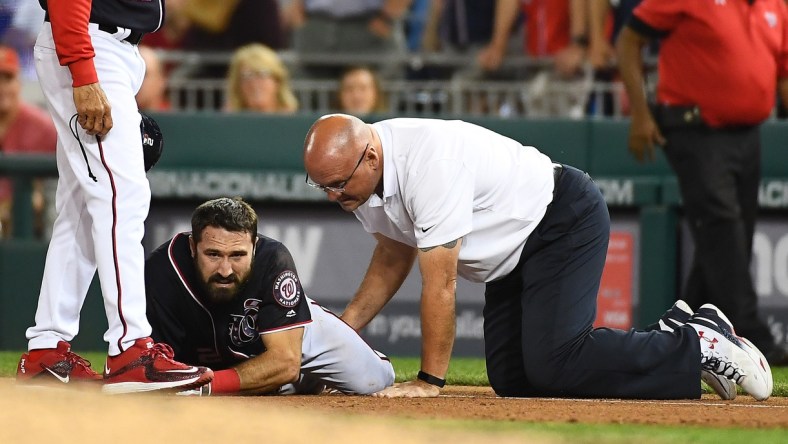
221	335
142	16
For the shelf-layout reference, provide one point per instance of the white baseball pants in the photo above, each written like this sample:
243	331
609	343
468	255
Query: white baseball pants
100	223
335	356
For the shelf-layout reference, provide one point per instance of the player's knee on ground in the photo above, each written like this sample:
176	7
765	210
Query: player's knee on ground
507	385
376	381
373	380
545	375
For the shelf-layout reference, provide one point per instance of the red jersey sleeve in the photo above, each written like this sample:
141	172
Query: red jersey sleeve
662	15
782	60
74	49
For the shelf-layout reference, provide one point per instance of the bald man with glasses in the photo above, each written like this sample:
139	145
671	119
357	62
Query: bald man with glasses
463	200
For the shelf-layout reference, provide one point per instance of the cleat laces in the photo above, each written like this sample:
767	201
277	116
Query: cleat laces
164	351
74	360
715	365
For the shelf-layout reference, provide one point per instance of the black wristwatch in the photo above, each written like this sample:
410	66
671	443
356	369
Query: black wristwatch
430	379
580	40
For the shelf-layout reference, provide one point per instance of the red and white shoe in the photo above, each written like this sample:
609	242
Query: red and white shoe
54	366
148	366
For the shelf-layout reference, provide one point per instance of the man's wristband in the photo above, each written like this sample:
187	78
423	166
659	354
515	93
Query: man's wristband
226	381
432	380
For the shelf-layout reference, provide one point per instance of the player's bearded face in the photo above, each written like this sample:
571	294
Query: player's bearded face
223	260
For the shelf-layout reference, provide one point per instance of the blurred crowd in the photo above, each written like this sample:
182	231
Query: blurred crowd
551	55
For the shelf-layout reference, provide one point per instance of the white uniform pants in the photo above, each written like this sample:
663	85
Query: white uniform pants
335	356
99	223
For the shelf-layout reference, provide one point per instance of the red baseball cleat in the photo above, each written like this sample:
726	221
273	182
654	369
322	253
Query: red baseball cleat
54	366
148	366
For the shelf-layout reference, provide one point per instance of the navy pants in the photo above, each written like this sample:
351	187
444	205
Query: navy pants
539	339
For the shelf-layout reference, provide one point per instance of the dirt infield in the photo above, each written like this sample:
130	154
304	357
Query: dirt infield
482	404
88	416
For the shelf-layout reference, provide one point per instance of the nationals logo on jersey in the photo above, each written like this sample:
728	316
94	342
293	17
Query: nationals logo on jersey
243	328
287	292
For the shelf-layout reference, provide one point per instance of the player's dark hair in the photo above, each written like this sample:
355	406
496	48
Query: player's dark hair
232	214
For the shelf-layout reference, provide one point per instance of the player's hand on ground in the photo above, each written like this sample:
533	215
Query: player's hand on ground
409	389
93	111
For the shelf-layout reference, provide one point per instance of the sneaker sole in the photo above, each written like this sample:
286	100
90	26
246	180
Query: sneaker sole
724	387
754	378
761	358
118	388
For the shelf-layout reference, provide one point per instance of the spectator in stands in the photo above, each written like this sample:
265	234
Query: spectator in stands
553	28
224	25
718	77
360	93
174	29
348	27
259	81
605	20
23	129
415	21
23	20
457	26
151	96
218	25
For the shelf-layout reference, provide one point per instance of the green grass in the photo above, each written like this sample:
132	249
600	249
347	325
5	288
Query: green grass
615	433
462	371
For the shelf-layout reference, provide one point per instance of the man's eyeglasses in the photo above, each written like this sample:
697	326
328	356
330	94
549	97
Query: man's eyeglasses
340	187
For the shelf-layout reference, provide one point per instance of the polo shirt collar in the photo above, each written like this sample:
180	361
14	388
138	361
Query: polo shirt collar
390	185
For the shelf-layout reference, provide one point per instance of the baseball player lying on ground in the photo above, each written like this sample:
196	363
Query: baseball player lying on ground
227	297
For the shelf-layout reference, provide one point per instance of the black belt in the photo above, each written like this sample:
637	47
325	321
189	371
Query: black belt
133	38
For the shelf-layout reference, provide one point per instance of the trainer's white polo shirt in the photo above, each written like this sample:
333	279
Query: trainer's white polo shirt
444	180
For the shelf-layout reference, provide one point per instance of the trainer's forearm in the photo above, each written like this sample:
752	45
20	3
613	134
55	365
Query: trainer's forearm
391	262
438	324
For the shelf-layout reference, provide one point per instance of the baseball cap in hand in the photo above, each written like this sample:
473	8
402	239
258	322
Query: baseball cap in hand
9	60
148	366
152	140
725	354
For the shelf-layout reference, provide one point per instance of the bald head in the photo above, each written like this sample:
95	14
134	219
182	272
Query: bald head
333	142
335	151
333	135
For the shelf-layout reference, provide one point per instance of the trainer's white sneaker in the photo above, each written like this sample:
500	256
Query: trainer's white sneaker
678	315
726	355
675	317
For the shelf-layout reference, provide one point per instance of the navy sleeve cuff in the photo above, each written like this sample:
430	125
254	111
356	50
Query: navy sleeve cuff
644	28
